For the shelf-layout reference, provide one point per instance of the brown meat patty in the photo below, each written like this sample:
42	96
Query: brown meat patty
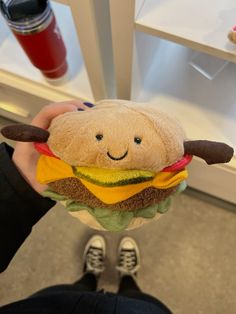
74	189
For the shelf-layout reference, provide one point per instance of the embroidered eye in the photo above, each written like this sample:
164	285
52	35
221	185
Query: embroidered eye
99	137
137	140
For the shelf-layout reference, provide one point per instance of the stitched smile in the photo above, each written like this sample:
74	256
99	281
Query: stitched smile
118	158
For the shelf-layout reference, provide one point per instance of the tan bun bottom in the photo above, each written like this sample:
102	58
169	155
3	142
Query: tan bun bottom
85	217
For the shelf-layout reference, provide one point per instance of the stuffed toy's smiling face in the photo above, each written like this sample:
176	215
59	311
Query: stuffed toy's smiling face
117	135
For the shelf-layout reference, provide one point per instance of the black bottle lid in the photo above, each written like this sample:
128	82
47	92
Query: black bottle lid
17	10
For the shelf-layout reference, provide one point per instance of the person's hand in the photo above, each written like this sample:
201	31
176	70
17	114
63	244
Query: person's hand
25	155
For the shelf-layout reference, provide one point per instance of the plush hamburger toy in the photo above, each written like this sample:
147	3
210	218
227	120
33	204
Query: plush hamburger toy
115	166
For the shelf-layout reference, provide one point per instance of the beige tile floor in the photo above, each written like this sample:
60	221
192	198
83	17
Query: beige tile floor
188	257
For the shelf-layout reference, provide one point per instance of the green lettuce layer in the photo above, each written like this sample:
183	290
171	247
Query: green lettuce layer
115	220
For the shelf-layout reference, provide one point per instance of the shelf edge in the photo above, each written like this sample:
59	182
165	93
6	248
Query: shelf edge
186	42
35	88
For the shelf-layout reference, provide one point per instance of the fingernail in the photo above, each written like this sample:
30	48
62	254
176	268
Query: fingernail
80	109
88	104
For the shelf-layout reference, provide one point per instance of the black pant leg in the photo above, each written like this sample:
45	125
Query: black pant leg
88	282
127	283
129	288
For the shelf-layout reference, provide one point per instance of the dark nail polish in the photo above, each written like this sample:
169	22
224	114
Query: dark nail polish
88	104
80	109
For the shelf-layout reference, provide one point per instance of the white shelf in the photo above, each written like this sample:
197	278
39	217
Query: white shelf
17	71
201	25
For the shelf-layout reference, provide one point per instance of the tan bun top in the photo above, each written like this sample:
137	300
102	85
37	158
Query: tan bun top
117	134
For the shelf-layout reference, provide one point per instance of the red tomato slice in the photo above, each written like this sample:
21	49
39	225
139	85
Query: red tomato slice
180	164
43	148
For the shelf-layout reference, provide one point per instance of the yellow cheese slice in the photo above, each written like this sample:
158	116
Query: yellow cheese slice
50	169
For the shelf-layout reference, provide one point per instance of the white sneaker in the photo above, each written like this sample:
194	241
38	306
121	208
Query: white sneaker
128	257
94	255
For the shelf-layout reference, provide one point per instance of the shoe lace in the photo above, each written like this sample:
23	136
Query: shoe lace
94	260
128	262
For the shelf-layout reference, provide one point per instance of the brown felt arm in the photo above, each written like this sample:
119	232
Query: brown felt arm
211	152
25	133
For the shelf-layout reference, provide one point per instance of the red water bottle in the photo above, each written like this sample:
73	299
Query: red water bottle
34	26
